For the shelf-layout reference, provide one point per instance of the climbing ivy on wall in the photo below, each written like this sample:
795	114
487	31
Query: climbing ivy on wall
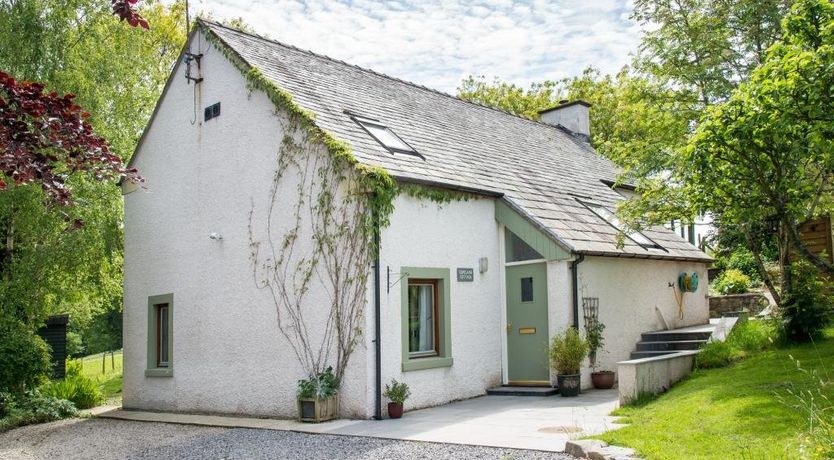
340	205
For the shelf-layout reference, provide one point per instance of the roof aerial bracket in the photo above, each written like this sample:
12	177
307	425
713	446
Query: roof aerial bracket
188	59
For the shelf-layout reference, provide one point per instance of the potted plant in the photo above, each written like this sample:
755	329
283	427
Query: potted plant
397	392
318	397
567	351
601	379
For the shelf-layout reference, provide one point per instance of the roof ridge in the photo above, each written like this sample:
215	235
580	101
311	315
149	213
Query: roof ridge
365	69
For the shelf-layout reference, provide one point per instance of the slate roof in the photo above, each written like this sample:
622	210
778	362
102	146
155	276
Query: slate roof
541	170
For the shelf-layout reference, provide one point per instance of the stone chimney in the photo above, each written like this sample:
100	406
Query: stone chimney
572	115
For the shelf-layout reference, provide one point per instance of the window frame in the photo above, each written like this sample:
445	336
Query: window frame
442	317
648	247
363	121
435	284
155	367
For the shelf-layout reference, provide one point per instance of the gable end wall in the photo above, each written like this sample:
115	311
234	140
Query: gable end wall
205	178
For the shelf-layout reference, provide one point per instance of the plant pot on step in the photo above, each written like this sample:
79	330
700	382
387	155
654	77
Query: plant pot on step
395	410
568	384
603	380
318	410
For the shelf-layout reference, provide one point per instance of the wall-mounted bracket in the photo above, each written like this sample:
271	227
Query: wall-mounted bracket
188	59
390	284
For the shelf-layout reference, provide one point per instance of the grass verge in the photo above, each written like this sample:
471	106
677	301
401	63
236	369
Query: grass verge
750	409
109	379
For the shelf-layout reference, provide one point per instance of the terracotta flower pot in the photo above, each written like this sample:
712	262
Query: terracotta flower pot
395	410
568	384
603	380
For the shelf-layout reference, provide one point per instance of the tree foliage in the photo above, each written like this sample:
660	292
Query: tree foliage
767	153
509	97
126	11
45	138
703	48
116	74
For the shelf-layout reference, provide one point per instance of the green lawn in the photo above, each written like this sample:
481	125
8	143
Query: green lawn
743	411
109	381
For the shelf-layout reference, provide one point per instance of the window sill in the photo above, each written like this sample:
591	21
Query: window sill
426	363
159	372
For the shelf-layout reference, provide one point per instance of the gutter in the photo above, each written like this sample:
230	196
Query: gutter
377	324
575	288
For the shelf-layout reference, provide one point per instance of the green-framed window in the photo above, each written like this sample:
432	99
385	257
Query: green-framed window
160	336
426	318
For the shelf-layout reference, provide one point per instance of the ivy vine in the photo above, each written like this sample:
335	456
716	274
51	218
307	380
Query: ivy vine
339	208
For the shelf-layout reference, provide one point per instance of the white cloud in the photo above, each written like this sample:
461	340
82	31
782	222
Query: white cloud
438	42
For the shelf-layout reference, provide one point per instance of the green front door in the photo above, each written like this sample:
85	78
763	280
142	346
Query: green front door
527	324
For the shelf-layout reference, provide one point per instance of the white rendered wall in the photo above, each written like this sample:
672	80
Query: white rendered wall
559	301
630	292
452	235
228	355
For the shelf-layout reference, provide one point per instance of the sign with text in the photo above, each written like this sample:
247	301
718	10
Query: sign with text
466	274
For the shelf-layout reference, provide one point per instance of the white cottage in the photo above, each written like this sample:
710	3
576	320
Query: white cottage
464	294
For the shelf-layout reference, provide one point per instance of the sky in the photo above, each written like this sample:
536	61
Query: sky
438	43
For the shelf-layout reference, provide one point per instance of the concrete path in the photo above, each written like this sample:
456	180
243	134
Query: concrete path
520	422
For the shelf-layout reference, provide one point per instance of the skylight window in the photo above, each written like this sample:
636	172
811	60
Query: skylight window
385	136
615	222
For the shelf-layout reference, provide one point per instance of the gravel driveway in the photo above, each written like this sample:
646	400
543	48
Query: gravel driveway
120	439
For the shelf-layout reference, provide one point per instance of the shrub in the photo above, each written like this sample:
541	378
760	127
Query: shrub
714	354
596	341
74	367
745	339
806	309
397	392
24	357
732	281
81	390
742	260
752	336
321	386
567	351
33	407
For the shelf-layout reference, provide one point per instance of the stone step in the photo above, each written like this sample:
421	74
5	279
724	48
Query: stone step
508	390
671	346
674	336
649	354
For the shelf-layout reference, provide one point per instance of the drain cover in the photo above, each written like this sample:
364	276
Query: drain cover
560	429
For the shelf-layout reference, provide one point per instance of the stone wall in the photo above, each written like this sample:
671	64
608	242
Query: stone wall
752	302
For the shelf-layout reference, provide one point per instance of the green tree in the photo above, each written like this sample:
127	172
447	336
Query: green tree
509	97
703	48
767	153
117	73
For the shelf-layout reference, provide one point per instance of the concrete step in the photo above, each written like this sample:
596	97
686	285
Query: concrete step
649	354
507	390
675	336
671	346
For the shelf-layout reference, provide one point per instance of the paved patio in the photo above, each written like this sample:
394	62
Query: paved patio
522	422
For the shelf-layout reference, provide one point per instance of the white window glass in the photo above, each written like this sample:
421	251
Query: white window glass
421	319
384	135
163	335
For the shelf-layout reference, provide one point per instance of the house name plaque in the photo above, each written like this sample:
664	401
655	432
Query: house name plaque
466	274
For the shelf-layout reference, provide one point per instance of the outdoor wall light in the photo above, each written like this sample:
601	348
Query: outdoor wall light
216	236
483	264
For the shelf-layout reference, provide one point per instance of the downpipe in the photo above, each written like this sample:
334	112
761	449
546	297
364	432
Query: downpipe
575	288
